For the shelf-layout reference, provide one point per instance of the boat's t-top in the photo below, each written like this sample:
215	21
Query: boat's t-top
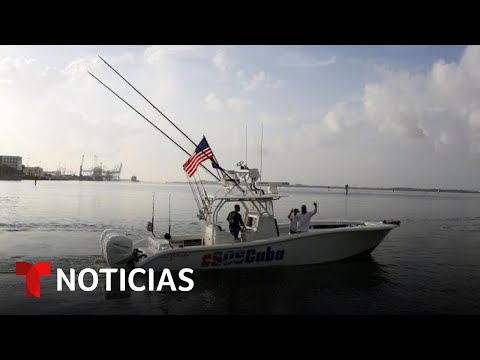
240	186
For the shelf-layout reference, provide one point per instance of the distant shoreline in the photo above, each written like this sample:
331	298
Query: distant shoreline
390	189
279	185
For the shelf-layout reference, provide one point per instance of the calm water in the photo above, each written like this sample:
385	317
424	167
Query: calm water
430	265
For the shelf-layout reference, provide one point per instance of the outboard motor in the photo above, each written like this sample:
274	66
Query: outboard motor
117	249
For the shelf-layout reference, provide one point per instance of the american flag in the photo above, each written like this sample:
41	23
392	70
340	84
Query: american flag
202	153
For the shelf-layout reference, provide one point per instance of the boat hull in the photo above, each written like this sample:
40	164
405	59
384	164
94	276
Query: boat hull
314	247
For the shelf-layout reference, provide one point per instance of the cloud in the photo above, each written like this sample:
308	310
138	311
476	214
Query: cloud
219	60
44	109
441	106
474	120
341	120
127	58
302	60
474	124
253	81
237	104
78	68
327	62
394	105
277	84
157	53
333	121
258	80
428	122
23	77
342	125
12	64
214	103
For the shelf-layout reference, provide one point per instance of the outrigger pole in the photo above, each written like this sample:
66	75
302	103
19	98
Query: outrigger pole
139	93
156	127
171	122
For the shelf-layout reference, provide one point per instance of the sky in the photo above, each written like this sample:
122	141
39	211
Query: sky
331	115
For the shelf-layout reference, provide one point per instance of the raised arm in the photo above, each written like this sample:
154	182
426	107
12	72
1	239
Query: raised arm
290	216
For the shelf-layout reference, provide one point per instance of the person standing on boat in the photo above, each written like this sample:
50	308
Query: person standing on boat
293	221
235	222
304	218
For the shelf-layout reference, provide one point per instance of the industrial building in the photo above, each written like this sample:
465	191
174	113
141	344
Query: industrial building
12	161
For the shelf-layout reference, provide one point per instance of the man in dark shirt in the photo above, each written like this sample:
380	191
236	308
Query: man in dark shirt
235	222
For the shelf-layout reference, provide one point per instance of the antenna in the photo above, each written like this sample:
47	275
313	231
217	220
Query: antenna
246	145
261	153
167	236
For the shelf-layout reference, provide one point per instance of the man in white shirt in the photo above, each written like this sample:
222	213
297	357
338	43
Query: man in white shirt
304	218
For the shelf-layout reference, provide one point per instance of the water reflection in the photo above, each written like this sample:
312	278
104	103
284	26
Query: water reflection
293	290
116	292
290	290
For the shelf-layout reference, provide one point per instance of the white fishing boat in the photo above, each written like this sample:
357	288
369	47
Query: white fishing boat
262	243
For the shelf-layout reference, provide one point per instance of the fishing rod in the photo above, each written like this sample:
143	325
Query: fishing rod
151	225
161	113
168	235
153	211
171	122
156	127
134	88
